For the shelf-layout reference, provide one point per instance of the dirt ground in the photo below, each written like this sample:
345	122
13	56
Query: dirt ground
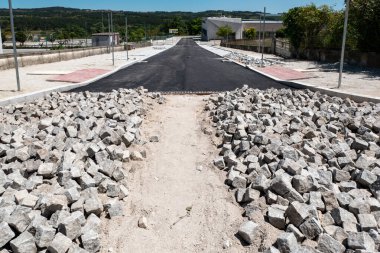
185	200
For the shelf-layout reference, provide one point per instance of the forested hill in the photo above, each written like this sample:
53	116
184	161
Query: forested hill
56	18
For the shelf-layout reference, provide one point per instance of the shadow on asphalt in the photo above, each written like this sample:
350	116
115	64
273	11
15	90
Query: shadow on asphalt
185	67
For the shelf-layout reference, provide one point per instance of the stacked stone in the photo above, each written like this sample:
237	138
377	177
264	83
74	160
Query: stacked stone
310	163
62	166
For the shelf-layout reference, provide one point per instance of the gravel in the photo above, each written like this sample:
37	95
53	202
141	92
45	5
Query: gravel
63	165
314	159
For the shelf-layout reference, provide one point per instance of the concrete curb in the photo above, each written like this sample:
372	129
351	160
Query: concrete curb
299	85
28	97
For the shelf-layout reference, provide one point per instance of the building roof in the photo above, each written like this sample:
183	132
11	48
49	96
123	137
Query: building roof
104	34
232	20
258	22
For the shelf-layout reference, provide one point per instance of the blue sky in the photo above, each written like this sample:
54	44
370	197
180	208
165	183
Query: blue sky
273	6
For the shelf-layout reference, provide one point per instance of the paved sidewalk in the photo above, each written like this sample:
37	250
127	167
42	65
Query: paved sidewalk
285	73
356	80
34	78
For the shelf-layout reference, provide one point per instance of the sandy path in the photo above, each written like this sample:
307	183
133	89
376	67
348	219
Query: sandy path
169	182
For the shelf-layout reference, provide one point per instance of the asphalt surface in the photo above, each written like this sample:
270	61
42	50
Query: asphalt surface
184	67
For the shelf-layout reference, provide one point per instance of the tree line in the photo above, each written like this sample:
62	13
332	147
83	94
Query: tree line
58	23
312	27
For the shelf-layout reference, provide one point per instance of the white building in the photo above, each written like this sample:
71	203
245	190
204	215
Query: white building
211	25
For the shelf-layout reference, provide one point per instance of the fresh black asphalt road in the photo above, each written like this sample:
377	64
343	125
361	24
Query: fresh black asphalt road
184	67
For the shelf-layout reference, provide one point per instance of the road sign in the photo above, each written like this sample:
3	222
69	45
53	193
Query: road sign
173	31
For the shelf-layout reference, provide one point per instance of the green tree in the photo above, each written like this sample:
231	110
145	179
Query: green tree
97	28
365	21
304	24
280	33
195	26
224	31
250	33
332	33
21	37
175	23
137	35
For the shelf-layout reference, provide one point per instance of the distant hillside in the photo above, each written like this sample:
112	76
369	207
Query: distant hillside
87	21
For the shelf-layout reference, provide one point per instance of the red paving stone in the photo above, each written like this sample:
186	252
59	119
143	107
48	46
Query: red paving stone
284	73
78	76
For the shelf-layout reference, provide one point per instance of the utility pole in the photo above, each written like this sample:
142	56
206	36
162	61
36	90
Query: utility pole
14	44
126	35
102	23
343	43
109	33
263	47
1	42
260	35
85	27
113	42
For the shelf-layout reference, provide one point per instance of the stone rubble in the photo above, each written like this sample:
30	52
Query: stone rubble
312	158
63	165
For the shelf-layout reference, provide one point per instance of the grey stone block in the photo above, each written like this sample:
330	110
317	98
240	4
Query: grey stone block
91	241
297	233
24	243
360	240
327	244
6	234
239	182
367	222
297	213
44	235
276	217
330	200
311	228
114	208
250	232
281	184
287	243
70	227
341	215
60	244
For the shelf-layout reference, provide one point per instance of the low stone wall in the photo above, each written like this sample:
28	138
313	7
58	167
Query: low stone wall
33	58
267	50
356	58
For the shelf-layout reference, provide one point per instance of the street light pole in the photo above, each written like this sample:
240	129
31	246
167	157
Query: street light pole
113	42
263	47
343	43
14	44
1	42
109	33
260	36
126	35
